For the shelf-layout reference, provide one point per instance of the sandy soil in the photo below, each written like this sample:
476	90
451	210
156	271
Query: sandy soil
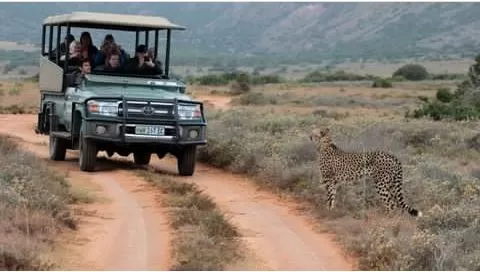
129	231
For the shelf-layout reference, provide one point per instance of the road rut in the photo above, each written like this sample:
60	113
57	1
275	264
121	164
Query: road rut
278	237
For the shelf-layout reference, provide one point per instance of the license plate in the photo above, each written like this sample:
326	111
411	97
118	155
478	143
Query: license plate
150	130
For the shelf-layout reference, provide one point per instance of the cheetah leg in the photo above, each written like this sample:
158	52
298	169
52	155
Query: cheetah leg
331	191
385	196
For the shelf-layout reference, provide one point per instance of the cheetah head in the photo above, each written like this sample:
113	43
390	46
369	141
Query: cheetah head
321	137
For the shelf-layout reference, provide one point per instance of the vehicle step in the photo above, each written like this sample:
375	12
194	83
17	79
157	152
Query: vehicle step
61	134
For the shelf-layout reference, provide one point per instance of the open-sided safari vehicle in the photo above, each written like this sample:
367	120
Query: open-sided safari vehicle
116	113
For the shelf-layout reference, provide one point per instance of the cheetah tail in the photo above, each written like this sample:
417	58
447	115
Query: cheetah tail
414	212
399	196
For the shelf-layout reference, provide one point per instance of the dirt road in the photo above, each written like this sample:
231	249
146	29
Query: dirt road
132	232
128	231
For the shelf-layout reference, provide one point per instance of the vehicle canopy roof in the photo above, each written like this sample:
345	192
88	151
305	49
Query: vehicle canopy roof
114	21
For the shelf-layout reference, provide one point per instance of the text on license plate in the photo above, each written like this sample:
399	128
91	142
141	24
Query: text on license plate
150	130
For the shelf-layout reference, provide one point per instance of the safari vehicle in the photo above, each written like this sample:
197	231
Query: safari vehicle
116	113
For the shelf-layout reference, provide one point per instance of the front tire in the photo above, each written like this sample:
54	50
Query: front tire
88	154
57	148
186	160
141	158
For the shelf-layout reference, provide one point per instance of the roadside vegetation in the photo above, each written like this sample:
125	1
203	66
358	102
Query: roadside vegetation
19	96
463	103
441	176
203	237
409	72
33	209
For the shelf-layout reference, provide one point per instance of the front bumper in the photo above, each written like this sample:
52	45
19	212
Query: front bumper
122	129
118	133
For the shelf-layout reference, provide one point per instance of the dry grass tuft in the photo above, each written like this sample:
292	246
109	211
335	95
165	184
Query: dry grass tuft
204	239
33	209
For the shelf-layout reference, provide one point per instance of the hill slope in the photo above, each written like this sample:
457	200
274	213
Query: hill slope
334	29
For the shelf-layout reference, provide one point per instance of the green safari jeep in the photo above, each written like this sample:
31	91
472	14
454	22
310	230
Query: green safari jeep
116	112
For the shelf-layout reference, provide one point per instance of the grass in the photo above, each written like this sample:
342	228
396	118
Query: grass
33	209
204	239
290	98
15	89
275	150
17	109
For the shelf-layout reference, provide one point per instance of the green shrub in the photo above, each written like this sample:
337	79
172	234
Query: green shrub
267	79
412	72
239	78
241	84
319	76
463	104
444	95
382	83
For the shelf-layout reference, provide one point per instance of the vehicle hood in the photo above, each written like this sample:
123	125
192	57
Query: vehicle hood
133	88
133	92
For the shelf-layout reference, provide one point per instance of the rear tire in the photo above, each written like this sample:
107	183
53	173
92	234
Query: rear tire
186	160
57	148
88	154
141	158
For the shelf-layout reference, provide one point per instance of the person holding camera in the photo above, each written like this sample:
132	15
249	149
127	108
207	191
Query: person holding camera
142	64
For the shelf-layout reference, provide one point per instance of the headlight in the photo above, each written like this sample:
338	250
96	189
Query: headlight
189	112
103	108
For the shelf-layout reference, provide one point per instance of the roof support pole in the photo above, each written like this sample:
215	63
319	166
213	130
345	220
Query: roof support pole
59	33
137	37
156	43
67	54
146	38
50	42
44	29
167	53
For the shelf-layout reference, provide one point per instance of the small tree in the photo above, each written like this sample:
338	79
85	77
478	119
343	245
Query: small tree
382	83
241	84
412	72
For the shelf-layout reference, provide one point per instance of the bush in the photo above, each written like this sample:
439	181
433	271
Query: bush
267	79
464	104
240	79
444	95
319	76
241	84
382	83
446	76
412	72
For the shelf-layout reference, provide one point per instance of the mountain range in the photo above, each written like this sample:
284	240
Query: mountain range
346	30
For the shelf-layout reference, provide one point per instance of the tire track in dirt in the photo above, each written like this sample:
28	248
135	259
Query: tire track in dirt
127	232
278	237
272	228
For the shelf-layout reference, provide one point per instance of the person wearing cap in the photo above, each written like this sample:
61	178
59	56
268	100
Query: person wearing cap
142	64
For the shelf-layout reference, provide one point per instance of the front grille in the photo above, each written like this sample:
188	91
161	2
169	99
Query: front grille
144	109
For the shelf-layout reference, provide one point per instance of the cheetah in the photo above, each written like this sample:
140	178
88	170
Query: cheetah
338	165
